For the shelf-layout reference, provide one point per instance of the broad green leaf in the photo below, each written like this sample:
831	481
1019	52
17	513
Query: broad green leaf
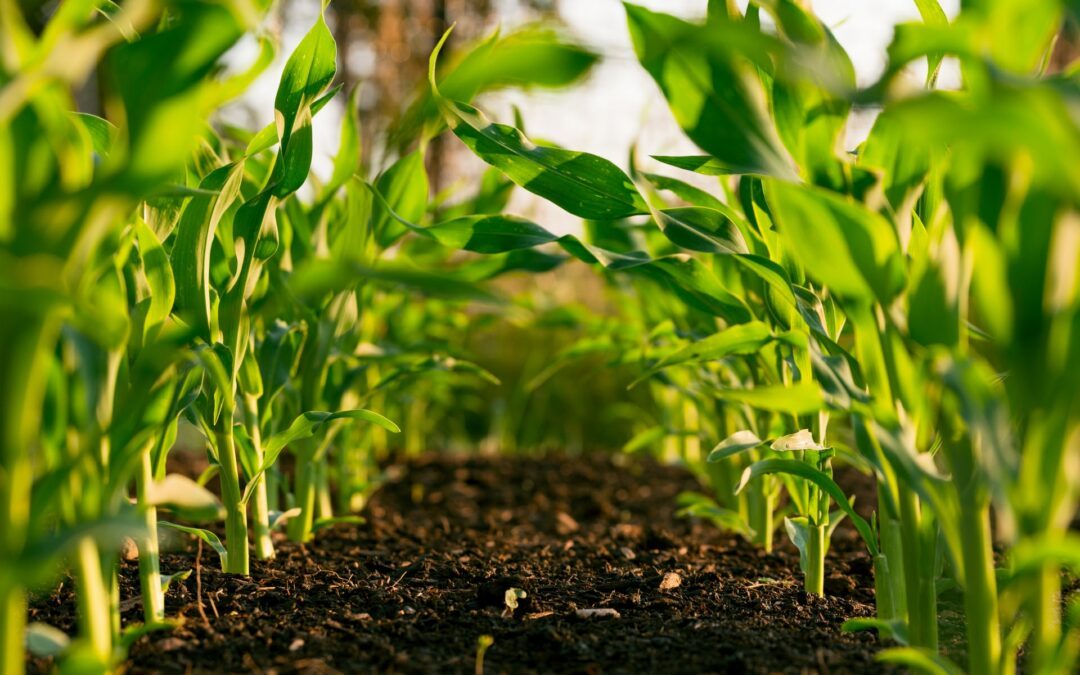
712	87
742	339
102	131
920	660
159	276
893	630
801	398
736	443
186	498
533	56
307	74
933	15
698	228
803	470
489	233
585	185
194	238
850	249
703	164
404	191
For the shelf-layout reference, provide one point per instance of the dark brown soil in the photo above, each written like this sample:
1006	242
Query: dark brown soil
414	588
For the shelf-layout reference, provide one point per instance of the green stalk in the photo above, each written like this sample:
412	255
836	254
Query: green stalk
149	557
761	504
236	529
980	592
299	527
1044	606
95	620
815	567
883	589
892	548
324	504
12	625
922	612
260	504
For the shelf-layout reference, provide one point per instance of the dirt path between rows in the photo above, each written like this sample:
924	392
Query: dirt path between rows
413	588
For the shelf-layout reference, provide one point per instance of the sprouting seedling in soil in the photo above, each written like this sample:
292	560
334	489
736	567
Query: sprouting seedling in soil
483	643
812	492
511	599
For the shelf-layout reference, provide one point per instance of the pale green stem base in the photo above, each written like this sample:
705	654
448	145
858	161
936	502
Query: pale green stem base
95	622
12	627
980	593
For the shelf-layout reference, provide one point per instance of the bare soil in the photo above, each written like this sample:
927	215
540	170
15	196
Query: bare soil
413	588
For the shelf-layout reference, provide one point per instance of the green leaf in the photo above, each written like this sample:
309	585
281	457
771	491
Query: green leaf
703	164
891	630
323	523
852	250
585	185
932	15
101	131
185	498
305	426
533	56
279	518
798	531
803	470
699	228
699	506
489	233
168	579
404	191
801	398
920	660
747	338
194	238
736	443
711	86
307	74
207	536
159	276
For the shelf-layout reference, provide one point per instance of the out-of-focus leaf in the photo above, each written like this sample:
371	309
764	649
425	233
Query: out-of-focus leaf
847	247
711	87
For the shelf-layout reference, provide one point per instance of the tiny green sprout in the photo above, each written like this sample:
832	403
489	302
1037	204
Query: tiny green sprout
513	595
482	644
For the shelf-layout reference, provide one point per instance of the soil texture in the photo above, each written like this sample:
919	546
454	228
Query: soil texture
613	580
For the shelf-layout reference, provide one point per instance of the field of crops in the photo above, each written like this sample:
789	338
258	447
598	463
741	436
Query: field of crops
778	406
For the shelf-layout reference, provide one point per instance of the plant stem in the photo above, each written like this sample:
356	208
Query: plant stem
149	558
921	592
12	625
815	566
236	529
1044	608
299	528
761	514
980	592
95	622
892	548
260	506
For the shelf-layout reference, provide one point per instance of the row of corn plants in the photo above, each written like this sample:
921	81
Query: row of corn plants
160	272
911	307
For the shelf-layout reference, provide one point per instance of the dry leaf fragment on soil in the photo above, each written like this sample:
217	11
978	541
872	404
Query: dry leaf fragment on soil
671	580
598	613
